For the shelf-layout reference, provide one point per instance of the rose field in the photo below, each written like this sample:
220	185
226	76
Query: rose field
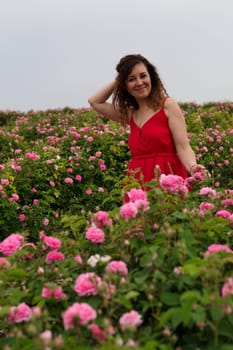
81	268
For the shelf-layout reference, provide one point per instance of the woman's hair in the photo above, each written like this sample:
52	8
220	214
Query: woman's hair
122	99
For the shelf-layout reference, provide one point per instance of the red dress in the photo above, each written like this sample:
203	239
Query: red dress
152	145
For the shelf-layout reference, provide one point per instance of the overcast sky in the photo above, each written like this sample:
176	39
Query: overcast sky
56	53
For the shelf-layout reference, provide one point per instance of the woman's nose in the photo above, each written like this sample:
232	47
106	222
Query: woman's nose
138	81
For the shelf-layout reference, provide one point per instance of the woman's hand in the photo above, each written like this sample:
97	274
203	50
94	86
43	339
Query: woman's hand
198	168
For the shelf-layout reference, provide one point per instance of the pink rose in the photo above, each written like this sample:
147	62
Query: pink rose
51	242
95	235
78	259
128	210
20	313
4	263
54	255
78	313
223	214
87	284
68	180
208	191
11	244
228	287
135	194
117	266
173	184
21	217
78	178
97	333
58	293
130	320
206	206
101	218
46	292
216	248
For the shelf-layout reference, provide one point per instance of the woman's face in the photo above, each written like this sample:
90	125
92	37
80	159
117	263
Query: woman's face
138	82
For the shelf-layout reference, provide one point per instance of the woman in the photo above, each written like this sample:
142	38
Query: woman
158	138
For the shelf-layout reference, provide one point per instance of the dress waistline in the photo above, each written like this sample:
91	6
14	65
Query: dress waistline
153	155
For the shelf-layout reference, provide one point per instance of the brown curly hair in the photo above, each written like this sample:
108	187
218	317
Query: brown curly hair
122	99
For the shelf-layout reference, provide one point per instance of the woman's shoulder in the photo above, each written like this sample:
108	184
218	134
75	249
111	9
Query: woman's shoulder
170	102
171	107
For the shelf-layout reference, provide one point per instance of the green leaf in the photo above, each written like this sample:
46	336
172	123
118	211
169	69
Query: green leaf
16	274
191	294
170	299
173	314
132	294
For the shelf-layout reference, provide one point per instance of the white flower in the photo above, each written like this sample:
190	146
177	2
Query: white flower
105	258
93	260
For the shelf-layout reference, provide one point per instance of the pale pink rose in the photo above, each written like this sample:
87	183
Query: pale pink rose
97	333
90	139
87	284
178	270
46	336
216	248
135	194
54	255
11	244
20	313
227	287
46	292
223	214
173	184
117	266
206	206
88	191
5	182
130	320
4	263
78	313
142	204
208	191
128	210
40	270
36	311
78	259
95	235
52	242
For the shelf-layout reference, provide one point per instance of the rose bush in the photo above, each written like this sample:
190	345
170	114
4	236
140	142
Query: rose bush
79	268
